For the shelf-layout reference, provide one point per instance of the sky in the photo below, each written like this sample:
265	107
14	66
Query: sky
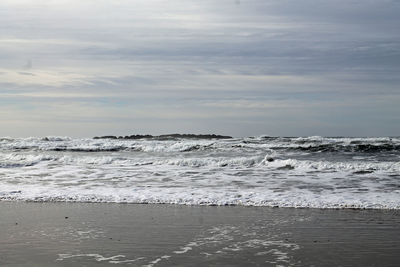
82	68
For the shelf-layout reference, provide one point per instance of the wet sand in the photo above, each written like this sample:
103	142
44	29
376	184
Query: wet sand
84	234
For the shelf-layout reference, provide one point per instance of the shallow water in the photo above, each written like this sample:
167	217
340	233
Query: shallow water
262	171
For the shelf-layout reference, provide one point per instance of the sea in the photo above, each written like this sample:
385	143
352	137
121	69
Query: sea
299	172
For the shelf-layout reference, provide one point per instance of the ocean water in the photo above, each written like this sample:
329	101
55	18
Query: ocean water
314	172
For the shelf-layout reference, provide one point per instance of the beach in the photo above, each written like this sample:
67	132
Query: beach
106	234
199	133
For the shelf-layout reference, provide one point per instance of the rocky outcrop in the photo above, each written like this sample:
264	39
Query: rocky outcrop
165	136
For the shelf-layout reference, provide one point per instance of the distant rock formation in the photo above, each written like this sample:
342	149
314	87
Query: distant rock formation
165	136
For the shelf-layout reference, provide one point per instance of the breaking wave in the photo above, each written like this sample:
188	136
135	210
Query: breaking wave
315	172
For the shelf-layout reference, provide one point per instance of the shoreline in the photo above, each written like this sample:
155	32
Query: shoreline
101	234
344	207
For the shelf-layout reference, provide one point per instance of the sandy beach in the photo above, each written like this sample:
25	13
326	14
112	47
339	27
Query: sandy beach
199	133
87	234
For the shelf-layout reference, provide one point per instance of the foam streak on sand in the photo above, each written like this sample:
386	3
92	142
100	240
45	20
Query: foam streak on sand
117	259
312	172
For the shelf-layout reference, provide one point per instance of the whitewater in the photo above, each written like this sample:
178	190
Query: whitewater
301	172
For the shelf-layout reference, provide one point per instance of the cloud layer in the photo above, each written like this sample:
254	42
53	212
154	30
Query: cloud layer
249	67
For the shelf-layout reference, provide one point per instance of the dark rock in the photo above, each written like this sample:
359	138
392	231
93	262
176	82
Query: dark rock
105	137
165	136
138	136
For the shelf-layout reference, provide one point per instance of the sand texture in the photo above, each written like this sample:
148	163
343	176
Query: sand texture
78	234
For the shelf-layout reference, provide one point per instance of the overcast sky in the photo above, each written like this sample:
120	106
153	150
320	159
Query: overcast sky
243	68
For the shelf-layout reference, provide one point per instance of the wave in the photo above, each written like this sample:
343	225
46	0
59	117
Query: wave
285	164
245	162
56	138
260	171
323	144
18	160
356	166
266	162
368	148
309	144
207	197
90	145
88	149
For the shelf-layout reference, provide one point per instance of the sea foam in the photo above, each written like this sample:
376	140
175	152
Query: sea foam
313	172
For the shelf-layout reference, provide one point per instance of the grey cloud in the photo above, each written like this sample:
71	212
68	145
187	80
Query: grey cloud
124	57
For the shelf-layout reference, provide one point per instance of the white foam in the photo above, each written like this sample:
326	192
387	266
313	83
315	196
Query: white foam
307	165
198	172
117	259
